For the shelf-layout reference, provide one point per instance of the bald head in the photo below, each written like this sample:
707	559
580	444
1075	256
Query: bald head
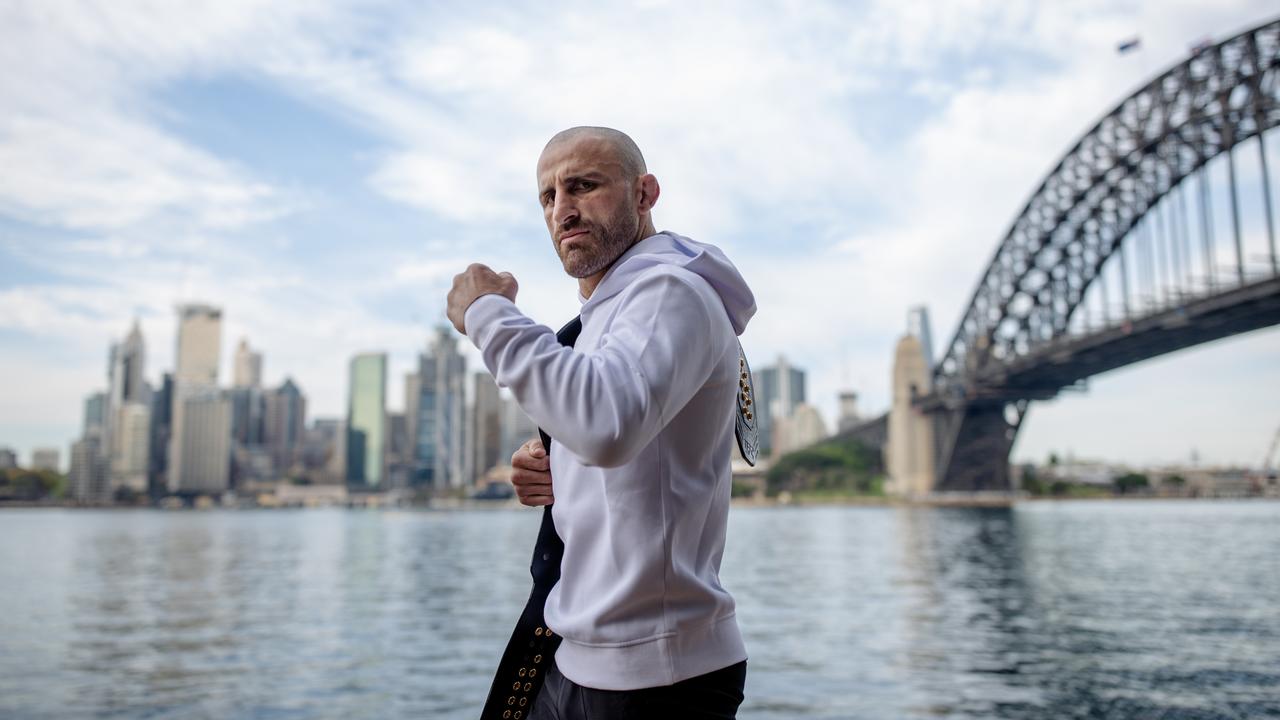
625	150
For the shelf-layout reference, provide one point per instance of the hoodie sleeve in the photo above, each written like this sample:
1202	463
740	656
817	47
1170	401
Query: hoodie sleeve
605	406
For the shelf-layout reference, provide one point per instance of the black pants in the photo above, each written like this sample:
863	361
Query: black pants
714	696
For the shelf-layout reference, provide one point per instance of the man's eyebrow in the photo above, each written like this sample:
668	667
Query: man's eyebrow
594	175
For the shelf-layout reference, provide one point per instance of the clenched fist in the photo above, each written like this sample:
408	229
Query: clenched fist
531	474
473	282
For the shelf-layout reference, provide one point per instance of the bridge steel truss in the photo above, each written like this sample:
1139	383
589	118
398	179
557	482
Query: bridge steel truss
1084	213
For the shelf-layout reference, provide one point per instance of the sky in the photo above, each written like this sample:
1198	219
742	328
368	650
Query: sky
321	170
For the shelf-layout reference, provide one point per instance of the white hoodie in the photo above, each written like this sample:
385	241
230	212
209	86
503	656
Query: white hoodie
641	412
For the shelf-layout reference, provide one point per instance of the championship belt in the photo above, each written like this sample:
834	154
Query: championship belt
532	646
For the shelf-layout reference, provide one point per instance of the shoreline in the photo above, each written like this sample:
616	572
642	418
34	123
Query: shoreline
870	501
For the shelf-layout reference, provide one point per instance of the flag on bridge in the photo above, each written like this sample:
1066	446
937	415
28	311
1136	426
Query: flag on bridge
1132	43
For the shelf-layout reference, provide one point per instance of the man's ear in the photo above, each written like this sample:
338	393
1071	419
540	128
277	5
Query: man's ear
648	190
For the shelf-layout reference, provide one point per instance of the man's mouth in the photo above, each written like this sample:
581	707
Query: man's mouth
572	234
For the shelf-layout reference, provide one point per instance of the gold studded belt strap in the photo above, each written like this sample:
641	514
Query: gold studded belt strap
532	645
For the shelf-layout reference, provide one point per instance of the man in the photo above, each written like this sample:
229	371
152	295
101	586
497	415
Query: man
641	414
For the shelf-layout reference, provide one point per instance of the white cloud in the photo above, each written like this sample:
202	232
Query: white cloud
901	138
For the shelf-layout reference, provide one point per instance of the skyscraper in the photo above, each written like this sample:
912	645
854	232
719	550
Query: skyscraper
161	431
127	402
779	389
367	421
286	423
132	454
195	389
126	369
439	427
517	428
95	415
247	372
204	443
87	478
486	426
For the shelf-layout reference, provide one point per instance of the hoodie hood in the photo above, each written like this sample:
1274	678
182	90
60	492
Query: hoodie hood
668	248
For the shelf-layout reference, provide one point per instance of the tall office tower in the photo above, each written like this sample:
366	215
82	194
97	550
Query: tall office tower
486	426
367	421
125	387
412	411
517	428
131	455
161	430
195	384
95	415
399	452
87	478
126	369
918	327
8	459
779	388
247	372
45	459
286	423
248	416
202	440
439	443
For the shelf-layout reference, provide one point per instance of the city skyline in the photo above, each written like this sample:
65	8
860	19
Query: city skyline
317	254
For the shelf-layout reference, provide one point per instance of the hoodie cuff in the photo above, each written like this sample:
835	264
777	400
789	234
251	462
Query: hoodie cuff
480	318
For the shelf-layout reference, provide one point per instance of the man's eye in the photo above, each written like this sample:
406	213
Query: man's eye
585	185
547	198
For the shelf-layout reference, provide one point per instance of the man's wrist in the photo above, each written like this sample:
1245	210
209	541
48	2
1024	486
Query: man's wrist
481	311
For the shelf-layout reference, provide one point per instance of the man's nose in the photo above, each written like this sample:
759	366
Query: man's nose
565	211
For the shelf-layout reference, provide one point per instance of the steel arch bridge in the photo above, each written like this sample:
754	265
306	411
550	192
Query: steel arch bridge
1109	262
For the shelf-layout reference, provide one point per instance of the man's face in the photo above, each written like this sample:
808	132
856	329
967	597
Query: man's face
589	203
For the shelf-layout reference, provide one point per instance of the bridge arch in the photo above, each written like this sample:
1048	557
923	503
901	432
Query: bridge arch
1015	341
1087	206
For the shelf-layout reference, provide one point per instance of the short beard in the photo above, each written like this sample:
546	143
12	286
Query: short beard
616	236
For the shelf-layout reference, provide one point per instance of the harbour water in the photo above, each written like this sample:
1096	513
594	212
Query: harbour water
1098	609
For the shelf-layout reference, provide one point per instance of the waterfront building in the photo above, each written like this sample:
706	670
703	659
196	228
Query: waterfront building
367	421
202	443
248	415
45	459
779	389
485	436
399	452
87	477
126	388
195	388
8	459
285	424
324	450
802	428
131	449
161	427
517	428
438	426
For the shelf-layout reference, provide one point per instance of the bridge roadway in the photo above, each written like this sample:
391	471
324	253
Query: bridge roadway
1067	360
